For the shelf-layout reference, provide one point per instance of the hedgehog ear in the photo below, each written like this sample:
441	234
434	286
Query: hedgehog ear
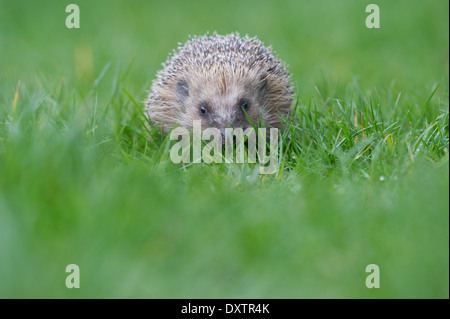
262	85
182	90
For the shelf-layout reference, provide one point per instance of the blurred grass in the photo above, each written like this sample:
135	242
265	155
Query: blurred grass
364	178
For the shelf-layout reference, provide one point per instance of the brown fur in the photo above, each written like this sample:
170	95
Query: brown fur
220	72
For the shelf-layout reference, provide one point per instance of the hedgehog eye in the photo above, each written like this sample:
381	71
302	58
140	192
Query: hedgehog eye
244	105
203	109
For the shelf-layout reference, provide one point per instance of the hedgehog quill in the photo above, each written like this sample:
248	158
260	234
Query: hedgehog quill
223	81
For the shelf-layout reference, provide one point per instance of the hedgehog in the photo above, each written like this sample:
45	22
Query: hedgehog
224	81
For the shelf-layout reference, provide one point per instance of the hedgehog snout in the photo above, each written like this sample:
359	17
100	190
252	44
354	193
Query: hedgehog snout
222	131
223	136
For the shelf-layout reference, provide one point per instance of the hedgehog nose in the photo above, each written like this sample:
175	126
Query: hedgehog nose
222	131
223	136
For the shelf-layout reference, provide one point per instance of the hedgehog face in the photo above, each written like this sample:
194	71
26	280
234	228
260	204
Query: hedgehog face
220	104
222	81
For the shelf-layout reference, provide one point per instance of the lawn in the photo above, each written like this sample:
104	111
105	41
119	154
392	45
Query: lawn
363	176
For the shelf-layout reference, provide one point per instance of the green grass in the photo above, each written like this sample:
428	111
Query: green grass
364	176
